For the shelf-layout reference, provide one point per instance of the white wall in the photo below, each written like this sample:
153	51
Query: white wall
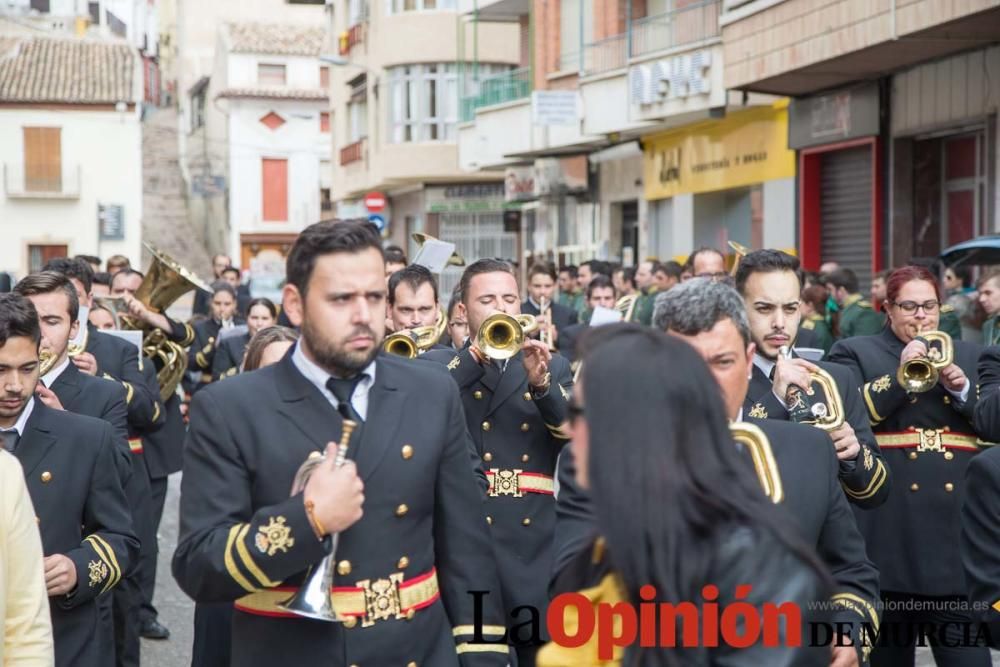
300	72
107	146
779	213
299	141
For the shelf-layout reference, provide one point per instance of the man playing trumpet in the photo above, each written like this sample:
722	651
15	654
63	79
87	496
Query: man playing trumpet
515	409
413	305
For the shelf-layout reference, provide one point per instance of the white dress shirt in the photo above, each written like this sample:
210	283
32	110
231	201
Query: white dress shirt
318	377
54	374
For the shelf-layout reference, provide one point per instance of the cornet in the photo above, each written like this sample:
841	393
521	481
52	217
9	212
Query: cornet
46	360
501	336
313	600
920	375
545	332
412	342
826	411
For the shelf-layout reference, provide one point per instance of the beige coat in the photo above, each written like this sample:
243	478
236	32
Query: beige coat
24	605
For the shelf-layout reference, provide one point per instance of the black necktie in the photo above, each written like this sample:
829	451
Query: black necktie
10	439
770	376
343	389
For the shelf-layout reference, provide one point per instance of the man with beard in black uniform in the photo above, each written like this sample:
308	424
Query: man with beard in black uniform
515	409
73	477
406	501
769	284
927	439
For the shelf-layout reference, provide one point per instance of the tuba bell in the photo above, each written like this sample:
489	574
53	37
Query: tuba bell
920	375
825	411
501	336
313	599
756	442
165	282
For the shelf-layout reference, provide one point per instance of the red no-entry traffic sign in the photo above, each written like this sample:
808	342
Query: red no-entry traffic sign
375	201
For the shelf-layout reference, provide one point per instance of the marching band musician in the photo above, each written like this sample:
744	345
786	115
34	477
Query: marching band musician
600	293
65	387
261	314
769	284
208	332
541	290
70	467
514	409
406	504
927	438
413	300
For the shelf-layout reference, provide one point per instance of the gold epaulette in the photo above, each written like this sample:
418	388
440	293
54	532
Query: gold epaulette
947	308
808	324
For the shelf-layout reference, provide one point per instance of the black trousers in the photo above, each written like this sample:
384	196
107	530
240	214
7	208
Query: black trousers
149	555
213	629
126	599
942	623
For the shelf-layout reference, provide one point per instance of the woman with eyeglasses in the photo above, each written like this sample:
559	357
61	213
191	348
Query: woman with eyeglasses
927	438
678	505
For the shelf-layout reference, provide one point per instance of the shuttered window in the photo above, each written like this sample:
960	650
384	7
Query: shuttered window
43	159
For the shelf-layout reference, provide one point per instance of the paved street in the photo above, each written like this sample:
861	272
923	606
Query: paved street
177	610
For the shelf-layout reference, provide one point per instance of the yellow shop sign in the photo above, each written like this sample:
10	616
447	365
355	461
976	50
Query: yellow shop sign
744	148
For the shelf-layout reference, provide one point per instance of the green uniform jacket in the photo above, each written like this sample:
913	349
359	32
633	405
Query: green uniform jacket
991	334
949	322
643	313
824	336
857	318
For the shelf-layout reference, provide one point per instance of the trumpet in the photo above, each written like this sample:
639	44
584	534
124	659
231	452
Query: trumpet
826	411
46	360
545	332
626	306
756	442
501	336
313	599
920	375
412	342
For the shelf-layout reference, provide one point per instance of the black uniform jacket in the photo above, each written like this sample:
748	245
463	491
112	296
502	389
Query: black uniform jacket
981	537
570	337
229	356
117	359
866	479
243	538
515	433
927	439
101	398
69	463
813	500
204	347
163	446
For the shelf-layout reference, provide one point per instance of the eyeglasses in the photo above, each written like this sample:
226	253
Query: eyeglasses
910	307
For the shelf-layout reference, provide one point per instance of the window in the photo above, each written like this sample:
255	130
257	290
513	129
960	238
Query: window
325	203
357	12
357	120
324	77
572	34
42	159
270	75
324	122
38	255
275	190
40	6
423	99
198	96
399	6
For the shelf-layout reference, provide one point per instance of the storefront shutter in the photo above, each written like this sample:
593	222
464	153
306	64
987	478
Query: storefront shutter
846	211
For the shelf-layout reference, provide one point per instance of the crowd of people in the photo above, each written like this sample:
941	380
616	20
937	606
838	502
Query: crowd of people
378	474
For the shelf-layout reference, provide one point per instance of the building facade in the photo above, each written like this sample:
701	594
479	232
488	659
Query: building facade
894	119
397	95
71	154
635	146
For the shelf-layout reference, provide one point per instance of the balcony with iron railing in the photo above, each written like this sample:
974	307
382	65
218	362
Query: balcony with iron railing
497	89
679	27
605	55
55	181
353	152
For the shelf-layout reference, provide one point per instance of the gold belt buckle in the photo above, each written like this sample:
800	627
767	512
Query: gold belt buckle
930	440
505	483
382	600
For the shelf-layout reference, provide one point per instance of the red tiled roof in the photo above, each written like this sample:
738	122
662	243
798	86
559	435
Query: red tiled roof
316	94
276	38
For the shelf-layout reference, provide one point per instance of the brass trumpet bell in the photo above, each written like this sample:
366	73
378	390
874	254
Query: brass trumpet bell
626	305
741	252
756	442
421	238
920	375
501	336
410	343
819	404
